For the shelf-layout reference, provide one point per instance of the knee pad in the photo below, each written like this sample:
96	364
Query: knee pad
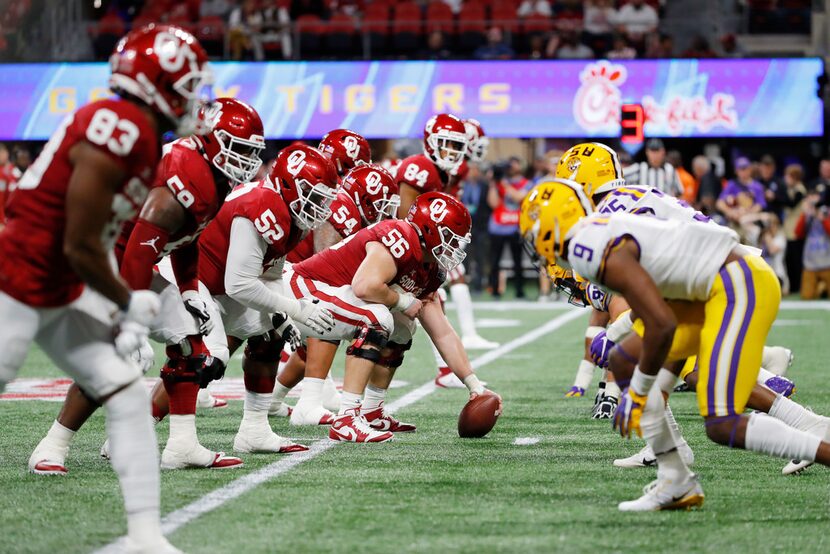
189	362
368	336
395	358
265	348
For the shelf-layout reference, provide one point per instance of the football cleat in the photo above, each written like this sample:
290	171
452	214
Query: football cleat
305	414
477	342
646	458
197	457
379	419
280	410
48	459
251	441
331	396
446	379
665	495
105	450
780	385
794	467
777	359
683	387
604	408
205	400
352	427
575	392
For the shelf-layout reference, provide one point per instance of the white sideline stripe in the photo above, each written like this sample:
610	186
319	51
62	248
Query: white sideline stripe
526	441
236	488
530	306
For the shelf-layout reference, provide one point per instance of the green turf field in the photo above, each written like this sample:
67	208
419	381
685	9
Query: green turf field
431	491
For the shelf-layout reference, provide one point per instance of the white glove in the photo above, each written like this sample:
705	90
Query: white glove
194	304
144	357
315	317
287	330
133	329
408	304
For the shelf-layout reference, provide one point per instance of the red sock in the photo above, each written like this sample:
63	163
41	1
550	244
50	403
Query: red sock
182	396
260	384
444	371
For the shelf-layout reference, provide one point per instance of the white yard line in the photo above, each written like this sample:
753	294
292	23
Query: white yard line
236	488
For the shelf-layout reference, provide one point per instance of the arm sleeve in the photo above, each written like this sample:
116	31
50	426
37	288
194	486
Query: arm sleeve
143	249
244	268
185	261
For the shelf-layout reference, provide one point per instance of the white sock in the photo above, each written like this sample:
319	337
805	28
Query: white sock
763	375
134	456
312	392
775	359
182	429
675	429
795	415
584	375
373	397
663	442
770	436
349	401
279	393
439	361
464	307
612	389
255	413
666	380
59	435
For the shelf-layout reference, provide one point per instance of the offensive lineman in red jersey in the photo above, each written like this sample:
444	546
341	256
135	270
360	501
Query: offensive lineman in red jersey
57	285
393	266
368	195
191	183
242	255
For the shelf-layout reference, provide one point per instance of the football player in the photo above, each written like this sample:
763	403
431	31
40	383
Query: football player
368	195
194	176
57	285
241	266
694	278
376	283
446	142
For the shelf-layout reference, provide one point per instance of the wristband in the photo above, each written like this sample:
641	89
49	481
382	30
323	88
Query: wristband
473	384
405	300
641	383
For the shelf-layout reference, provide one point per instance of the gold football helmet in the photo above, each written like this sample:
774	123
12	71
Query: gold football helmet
593	166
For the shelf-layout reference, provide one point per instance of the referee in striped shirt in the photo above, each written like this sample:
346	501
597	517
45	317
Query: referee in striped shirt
655	172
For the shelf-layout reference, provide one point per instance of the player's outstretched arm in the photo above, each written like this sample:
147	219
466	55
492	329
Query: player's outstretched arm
93	183
408	195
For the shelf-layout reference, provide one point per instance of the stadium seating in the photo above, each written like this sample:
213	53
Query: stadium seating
211	33
407	27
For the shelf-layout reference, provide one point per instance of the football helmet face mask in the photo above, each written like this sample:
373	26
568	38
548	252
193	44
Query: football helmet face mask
445	141
307	181
548	212
346	149
477	141
374	191
444	225
165	67
234	138
593	166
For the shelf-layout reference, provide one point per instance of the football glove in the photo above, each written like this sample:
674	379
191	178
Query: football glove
600	348
194	304
132	329
315	317
286	329
629	413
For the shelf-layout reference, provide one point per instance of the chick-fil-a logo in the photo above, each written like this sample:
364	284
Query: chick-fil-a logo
681	112
597	102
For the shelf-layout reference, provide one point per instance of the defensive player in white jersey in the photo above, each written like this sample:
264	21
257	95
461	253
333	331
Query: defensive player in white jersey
691	277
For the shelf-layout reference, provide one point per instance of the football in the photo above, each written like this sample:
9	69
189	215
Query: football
478	416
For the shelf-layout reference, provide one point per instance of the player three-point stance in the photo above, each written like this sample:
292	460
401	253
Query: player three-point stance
57	285
193	178
368	195
695	278
375	283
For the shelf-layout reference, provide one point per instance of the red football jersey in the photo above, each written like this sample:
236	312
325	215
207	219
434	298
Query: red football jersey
419	172
337	265
8	177
345	218
261	204
188	174
33	268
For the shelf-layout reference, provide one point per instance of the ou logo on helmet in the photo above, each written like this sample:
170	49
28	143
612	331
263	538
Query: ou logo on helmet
213	113
373	183
352	146
295	162
172	52
438	210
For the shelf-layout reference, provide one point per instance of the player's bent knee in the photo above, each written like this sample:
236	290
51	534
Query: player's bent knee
621	365
368	342
393	354
265	348
722	429
186	365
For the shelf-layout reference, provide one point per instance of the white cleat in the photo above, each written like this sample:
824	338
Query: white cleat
309	414
777	359
157	545
196	456
794	467
105	450
646	458
331	396
665	495
205	400
250	440
280	409
48	459
477	342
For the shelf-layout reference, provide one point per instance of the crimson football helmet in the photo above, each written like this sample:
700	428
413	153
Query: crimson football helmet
165	67
444	225
375	192
233	139
346	149
307	181
477	141
445	141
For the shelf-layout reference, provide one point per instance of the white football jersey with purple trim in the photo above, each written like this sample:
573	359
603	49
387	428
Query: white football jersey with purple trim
682	257
648	201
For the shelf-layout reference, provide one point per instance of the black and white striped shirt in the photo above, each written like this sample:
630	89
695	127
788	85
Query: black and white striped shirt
663	178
